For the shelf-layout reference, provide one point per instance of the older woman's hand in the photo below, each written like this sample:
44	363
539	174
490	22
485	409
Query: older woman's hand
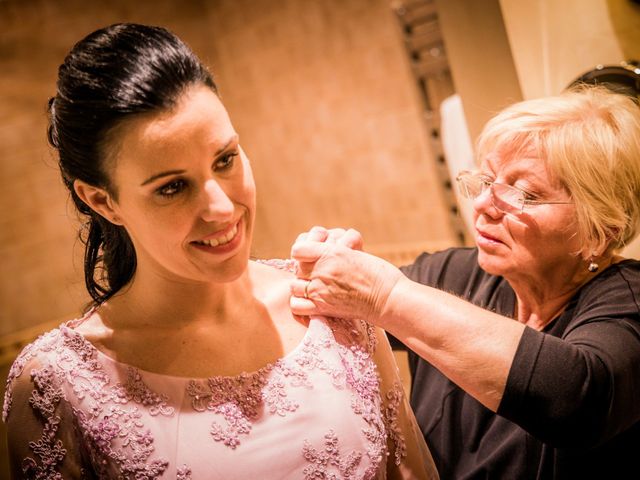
335	280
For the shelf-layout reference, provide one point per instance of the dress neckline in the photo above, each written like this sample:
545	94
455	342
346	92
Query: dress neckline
67	328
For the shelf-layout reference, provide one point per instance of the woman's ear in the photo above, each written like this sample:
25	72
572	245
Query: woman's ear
98	199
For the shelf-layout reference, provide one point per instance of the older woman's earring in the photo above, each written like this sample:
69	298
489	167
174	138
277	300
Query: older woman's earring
593	266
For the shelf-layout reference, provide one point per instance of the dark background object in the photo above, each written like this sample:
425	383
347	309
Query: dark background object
623	78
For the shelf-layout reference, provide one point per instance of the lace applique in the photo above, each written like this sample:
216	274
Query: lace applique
44	343
44	400
238	400
112	431
394	398
288	264
135	389
327	463
183	473
118	435
364	382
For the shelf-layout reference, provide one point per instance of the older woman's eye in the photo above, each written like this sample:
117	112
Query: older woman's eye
226	162
171	189
529	196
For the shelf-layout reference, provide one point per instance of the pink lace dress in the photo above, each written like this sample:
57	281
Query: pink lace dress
333	408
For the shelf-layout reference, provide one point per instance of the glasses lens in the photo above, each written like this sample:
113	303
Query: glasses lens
507	198
470	185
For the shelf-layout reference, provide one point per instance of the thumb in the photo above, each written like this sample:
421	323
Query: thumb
306	251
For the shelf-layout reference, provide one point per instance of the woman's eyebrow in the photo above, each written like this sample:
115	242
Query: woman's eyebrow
160	175
233	139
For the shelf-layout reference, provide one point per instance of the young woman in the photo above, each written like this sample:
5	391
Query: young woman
189	363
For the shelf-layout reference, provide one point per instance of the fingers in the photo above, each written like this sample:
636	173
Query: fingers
305	252
301	288
300	301
315	234
335	234
302	307
351	239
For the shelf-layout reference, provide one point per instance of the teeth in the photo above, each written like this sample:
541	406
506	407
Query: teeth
221	240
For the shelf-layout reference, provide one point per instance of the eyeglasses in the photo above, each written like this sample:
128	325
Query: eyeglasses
505	198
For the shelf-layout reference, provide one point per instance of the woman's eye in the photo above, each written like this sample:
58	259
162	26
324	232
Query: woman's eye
226	162
528	194
171	189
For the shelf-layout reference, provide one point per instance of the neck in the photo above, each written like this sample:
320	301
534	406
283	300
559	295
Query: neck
539	303
536	313
153	300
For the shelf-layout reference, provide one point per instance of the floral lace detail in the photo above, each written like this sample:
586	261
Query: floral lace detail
238	400
44	400
286	264
327	460
133	447
137	391
394	397
112	430
45	342
183	473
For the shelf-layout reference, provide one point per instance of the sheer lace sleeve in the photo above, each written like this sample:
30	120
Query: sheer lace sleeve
40	433
409	456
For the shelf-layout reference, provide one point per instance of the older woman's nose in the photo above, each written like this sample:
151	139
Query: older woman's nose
217	204
483	204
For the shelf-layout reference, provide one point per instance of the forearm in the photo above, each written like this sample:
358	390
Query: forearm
470	345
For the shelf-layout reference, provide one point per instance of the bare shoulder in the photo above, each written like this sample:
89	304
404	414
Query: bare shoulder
92	328
271	280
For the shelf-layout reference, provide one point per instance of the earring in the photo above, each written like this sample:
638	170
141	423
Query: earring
593	266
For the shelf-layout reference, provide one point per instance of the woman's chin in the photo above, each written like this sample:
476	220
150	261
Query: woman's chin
491	264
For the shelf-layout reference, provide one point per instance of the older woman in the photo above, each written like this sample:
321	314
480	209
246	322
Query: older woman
527	347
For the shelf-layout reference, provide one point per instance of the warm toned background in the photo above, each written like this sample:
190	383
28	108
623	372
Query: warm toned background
323	96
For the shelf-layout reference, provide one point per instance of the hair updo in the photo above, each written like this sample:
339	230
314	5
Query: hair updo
111	75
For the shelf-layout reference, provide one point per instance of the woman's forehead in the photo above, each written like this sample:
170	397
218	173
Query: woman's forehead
522	165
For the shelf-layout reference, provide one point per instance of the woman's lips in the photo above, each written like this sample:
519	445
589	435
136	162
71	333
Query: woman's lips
221	238
485	237
221	242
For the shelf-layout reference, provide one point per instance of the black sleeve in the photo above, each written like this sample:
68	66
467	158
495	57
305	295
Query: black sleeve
583	387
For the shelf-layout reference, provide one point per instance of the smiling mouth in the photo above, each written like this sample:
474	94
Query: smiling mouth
220	240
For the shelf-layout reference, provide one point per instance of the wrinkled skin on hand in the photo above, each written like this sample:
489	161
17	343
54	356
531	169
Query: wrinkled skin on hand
344	283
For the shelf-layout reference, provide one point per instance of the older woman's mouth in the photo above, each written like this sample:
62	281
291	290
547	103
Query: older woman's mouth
487	239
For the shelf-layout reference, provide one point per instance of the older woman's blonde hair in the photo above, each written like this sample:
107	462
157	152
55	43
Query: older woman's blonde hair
589	138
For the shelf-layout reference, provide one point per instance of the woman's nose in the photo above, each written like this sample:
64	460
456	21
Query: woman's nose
483	204
217	204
